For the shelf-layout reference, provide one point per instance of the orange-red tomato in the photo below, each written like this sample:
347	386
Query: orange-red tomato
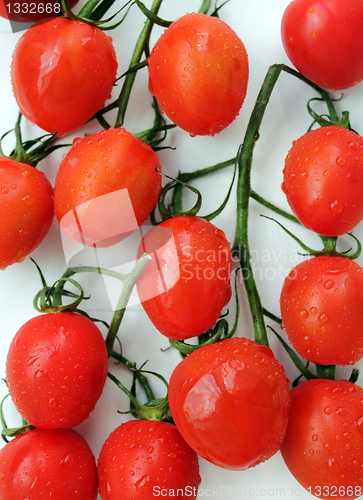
62	72
106	187
143	459
198	73
26	210
56	369
322	310
186	285
323	180
230	402
324	438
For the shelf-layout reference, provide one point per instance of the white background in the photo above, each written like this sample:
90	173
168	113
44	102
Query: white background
258	25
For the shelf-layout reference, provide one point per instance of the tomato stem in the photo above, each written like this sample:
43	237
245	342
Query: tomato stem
140	47
128	284
241	244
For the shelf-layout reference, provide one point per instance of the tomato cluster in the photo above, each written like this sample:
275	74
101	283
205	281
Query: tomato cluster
228	400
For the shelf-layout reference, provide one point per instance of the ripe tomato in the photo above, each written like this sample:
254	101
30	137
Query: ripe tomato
323	180
230	402
43	463
62	73
324	438
322	310
324	41
142	459
106	187
26	210
186	285
198	73
30	12
56	368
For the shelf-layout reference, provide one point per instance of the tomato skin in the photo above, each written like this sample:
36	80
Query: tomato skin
56	369
141	459
30	12
322	310
323	40
26	210
230	402
62	73
323	180
324	438
198	73
48	464
187	284
104	164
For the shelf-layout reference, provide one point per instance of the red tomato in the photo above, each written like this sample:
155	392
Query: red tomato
186	285
62	73
142	459
26	210
106	187
323	180
322	310
230	402
324	438
324	41
56	368
55	464
30	11
198	73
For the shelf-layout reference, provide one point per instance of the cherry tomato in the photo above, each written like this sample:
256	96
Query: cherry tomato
26	210
324	438
323	180
106	187
322	310
55	464
62	73
24	11
198	73
56	368
142	459
324	41
230	402
186	285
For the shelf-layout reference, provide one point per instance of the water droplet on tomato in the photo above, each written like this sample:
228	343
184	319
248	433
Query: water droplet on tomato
101	142
82	188
14	186
28	200
341	411
76	140
303	313
333	466
323	317
328	410
4	190
353	145
328	284
326	174
336	207
340	161
303	174
353	177
26	172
